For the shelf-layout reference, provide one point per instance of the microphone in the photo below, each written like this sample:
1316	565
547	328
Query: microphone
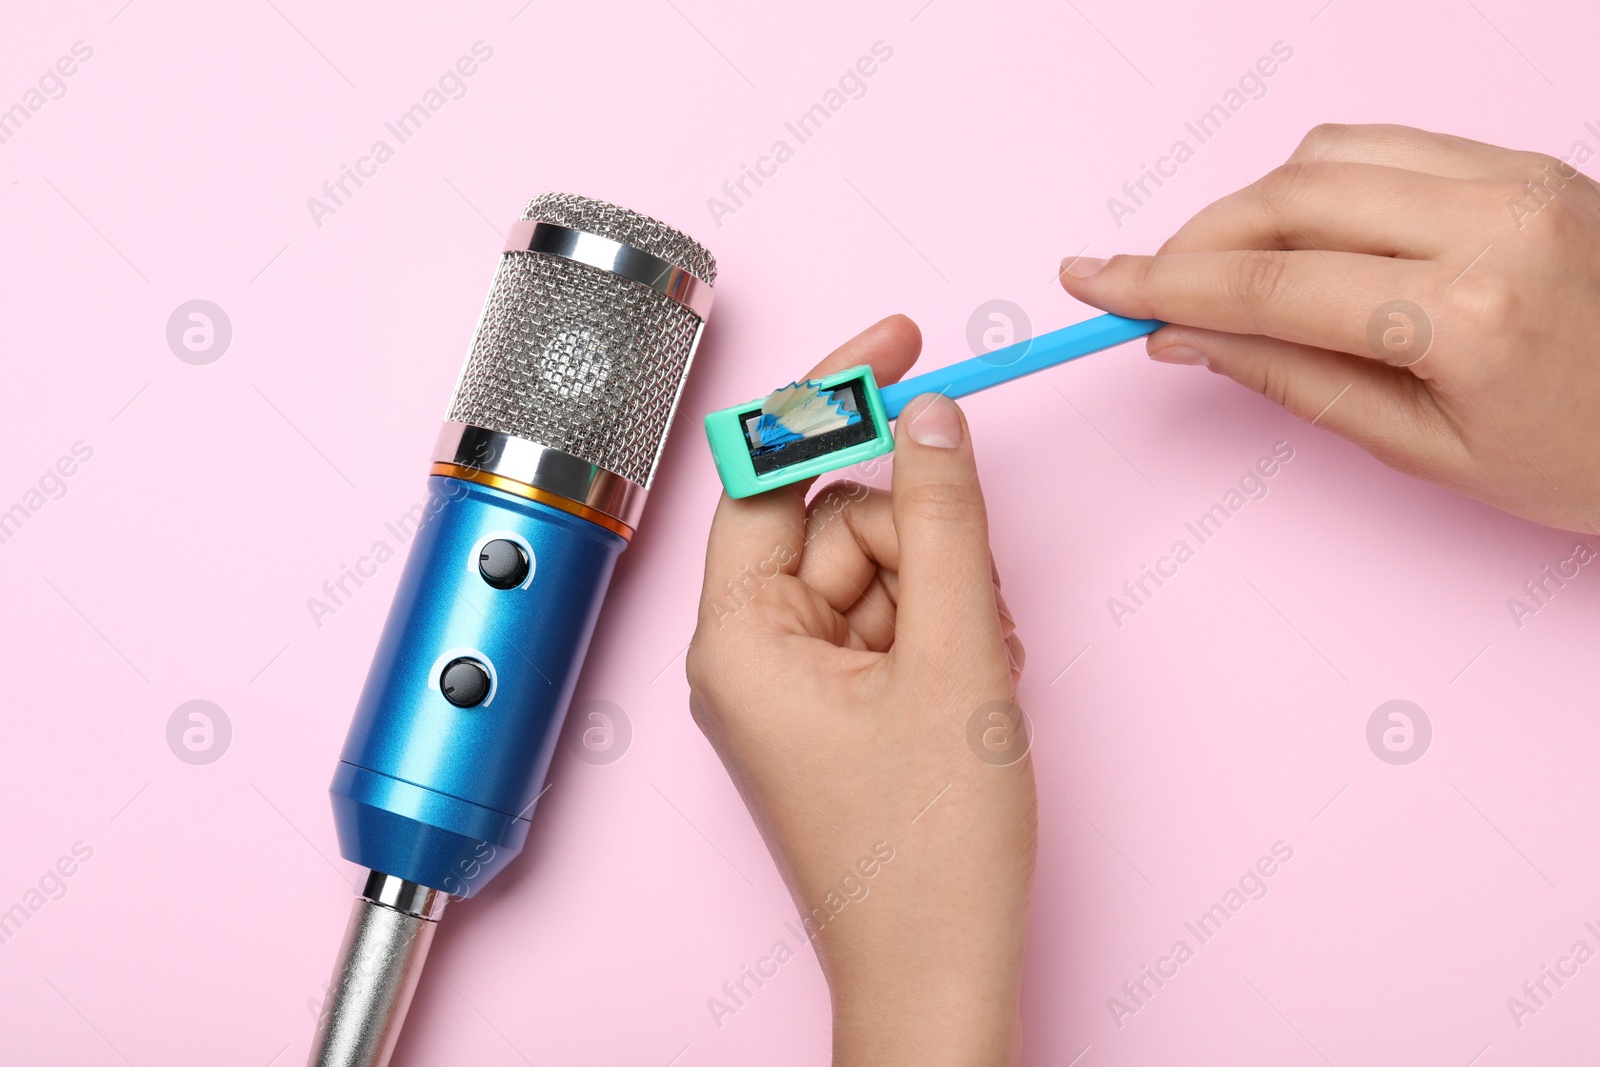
538	479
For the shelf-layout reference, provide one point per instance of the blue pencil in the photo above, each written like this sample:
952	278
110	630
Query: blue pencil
1018	360
813	427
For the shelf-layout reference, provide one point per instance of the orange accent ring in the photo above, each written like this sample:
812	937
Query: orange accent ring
539	496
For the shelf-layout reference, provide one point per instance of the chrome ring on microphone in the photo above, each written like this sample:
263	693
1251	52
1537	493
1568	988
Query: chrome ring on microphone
539	473
408	898
625	261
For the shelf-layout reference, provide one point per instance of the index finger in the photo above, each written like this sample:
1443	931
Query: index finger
1408	148
771	525
1348	207
1321	299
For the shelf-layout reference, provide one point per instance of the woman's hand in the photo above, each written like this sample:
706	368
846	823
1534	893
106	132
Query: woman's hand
1434	299
855	668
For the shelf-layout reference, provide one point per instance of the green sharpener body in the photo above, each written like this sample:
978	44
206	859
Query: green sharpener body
735	455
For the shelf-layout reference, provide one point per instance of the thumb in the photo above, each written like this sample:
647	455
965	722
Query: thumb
945	614
1377	406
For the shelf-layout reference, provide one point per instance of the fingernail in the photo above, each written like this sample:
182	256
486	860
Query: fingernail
1081	266
1184	354
1008	621
1017	654
936	424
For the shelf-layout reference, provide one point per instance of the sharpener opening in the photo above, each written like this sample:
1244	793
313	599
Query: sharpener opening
850	395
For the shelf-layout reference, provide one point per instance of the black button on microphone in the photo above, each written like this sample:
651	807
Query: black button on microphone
503	564
465	683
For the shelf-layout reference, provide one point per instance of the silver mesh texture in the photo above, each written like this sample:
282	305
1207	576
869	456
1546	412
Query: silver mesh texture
625	227
578	359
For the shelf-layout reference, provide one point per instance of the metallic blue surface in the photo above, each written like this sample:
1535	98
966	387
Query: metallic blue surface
442	795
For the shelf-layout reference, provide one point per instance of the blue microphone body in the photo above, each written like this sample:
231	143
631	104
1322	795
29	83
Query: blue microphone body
537	483
438	794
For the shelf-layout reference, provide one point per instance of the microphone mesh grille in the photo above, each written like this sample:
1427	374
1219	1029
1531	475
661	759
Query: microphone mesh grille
626	227
579	359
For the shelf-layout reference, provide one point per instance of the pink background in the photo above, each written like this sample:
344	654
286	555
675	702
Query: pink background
1227	715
